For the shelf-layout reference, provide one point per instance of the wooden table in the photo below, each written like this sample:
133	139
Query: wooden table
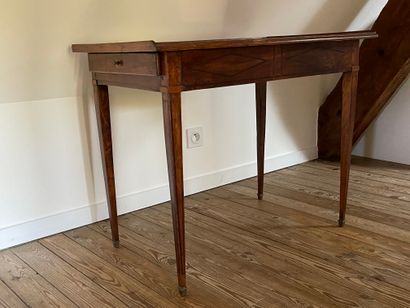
173	67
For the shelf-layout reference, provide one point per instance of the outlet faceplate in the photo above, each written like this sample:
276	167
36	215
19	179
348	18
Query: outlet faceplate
194	137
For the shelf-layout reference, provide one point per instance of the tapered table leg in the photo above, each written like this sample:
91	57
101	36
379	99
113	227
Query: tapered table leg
260	91
102	108
173	140
347	126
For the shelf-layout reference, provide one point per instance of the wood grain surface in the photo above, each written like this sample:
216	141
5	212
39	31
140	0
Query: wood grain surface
283	251
151	46
8	298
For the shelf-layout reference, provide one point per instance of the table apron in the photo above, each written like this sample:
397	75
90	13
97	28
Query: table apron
209	68
212	68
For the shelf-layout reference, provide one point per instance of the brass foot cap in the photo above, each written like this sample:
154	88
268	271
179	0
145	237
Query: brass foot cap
116	244
341	223
182	291
260	196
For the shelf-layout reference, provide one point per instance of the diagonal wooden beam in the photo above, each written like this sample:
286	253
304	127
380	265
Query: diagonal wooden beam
384	65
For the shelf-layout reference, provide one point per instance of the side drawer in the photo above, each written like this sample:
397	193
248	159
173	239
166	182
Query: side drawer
126	63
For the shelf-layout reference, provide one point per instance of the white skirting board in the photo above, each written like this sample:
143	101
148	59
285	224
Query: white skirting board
49	225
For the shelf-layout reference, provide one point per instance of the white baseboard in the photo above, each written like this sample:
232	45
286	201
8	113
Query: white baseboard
45	226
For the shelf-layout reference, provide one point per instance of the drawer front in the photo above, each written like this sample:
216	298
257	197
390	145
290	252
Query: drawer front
316	58
209	68
126	63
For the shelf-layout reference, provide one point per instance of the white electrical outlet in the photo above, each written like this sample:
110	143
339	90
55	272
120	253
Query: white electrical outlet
195	137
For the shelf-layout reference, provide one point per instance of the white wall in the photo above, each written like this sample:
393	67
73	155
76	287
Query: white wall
50	169
388	138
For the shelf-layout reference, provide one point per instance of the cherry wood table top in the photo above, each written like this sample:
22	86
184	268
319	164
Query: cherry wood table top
152	46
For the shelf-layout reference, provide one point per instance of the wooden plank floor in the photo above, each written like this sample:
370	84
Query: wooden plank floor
285	251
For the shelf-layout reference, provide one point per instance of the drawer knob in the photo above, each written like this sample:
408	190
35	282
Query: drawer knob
118	62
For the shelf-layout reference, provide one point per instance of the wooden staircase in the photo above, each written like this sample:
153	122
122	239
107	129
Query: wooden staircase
384	65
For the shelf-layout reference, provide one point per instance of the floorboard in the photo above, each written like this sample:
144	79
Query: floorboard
8	298
73	284
284	251
33	289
